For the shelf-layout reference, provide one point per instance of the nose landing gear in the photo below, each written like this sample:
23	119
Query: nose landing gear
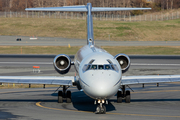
101	109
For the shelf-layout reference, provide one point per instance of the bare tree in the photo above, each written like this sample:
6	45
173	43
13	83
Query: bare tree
1	5
171	4
162	4
6	5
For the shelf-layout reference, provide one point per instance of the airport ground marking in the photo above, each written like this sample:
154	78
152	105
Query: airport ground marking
24	91
143	115
157	91
39	104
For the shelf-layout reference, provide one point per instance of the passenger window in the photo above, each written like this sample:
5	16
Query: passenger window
94	67
101	67
107	67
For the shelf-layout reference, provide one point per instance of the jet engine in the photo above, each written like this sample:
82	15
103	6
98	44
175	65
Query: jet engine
62	63
124	61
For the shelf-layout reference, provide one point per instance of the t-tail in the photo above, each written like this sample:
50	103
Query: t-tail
85	8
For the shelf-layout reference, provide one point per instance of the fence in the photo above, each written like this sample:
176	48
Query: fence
96	16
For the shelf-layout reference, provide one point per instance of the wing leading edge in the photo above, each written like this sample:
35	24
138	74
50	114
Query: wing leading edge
66	80
128	80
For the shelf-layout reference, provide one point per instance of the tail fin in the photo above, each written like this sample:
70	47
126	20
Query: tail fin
85	8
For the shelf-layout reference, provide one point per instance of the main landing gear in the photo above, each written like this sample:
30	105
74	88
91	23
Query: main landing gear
64	95
123	95
101	109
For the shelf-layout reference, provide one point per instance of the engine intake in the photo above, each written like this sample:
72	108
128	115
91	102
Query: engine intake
62	63
124	61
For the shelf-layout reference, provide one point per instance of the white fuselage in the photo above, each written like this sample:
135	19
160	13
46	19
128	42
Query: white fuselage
99	72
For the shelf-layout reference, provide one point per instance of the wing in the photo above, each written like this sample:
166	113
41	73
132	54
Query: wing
128	80
66	80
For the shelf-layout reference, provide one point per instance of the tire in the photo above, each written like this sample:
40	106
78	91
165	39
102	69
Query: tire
128	96
104	108
119	97
98	109
68	97
60	97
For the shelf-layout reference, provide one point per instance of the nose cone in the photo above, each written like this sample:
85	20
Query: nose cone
102	85
102	90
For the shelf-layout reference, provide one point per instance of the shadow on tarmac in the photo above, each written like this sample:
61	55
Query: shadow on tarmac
82	102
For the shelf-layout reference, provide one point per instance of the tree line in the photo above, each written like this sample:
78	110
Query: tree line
156	5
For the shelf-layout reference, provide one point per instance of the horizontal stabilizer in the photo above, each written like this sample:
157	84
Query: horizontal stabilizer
66	9
101	9
83	9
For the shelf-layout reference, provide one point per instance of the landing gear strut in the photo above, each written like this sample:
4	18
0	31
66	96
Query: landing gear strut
64	95
101	109
123	95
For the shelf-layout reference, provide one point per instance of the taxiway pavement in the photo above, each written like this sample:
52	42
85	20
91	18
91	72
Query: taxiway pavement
140	65
55	41
151	102
148	103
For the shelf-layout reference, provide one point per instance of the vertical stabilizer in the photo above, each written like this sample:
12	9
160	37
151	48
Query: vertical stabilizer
85	8
90	33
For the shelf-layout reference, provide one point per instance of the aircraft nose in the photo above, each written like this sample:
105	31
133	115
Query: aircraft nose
103	86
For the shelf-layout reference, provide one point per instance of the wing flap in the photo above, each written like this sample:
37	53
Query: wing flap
128	80
66	80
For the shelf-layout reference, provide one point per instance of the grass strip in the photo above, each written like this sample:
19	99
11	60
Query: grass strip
131	50
74	28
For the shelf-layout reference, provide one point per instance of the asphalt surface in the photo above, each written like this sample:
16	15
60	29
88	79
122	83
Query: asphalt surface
147	103
55	41
151	102
140	65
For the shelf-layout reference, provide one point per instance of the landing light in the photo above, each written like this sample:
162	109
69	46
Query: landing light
101	101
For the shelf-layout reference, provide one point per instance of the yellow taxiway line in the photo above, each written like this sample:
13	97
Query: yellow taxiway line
39	105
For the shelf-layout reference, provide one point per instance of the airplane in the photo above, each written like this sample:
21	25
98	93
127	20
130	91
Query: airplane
99	74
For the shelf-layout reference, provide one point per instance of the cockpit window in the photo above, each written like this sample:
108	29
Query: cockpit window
85	67
89	66
109	66
101	67
91	61
94	67
112	66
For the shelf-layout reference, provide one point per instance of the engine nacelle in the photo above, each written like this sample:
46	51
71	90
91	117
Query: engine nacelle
62	63
124	61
